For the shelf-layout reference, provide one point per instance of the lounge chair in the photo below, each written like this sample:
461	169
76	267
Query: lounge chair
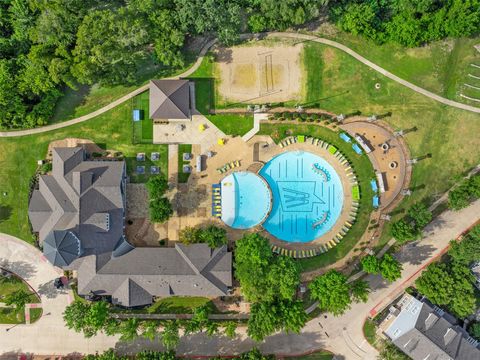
237	163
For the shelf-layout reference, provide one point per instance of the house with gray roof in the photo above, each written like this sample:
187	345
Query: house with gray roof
170	100
424	331
79	214
79	210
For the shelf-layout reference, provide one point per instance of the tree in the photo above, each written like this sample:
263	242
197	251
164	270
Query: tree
160	210
402	231
370	264
157	186
255	354
253	258
449	284
214	236
467	250
129	329
436	284
107	355
149	329
199	319
360	290
156	355
284	277
269	317
359	18
189	235
19	298
390	268
390	352
212	328
474	330
230	328
170	335
332	292
88	318
420	215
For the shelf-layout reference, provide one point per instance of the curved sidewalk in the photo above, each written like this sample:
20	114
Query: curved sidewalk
207	46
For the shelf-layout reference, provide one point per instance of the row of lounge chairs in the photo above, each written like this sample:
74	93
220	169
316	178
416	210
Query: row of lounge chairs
288	141
216	200
228	166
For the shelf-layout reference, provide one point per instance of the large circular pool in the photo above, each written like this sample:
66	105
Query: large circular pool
307	196
245	201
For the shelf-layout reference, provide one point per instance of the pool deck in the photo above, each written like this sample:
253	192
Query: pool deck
252	154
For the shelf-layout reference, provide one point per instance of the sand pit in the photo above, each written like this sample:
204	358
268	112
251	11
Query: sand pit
260	74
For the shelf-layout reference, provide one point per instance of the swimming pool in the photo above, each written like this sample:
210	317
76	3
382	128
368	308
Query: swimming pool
246	200
307	196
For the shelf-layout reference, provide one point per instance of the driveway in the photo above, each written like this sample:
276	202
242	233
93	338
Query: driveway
48	335
342	335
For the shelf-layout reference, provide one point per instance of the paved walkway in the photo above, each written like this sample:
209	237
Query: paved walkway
342	335
302	37
257	117
110	106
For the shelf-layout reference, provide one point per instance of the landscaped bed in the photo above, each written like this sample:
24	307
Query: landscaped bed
12	315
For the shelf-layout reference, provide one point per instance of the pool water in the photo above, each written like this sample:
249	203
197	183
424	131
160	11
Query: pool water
307	196
246	200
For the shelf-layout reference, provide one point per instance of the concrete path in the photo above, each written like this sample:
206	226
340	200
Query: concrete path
301	37
110	106
342	335
377	68
257	117
48	335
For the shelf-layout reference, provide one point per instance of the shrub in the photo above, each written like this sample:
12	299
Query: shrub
402	231
160	210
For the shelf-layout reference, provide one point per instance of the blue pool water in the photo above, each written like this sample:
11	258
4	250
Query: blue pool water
307	196
246	200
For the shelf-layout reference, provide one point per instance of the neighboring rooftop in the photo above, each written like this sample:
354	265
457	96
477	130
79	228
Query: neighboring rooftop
141	274
170	99
423	331
79	209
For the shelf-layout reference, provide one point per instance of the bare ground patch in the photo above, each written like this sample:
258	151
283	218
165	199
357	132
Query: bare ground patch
260	74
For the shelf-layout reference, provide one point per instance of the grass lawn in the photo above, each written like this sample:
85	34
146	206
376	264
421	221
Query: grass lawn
364	171
341	84
143	129
440	67
183	148
179	305
85	99
18	161
317	355
11	315
204	85
369	329
232	124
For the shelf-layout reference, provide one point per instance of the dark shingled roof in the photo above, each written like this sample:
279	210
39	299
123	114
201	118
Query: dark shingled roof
194	270
170	99
434	334
82	198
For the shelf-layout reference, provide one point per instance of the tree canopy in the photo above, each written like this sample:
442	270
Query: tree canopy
467	250
451	285
332	292
213	235
407	22
89	318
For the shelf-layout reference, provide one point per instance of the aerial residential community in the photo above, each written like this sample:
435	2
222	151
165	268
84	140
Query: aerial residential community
240	179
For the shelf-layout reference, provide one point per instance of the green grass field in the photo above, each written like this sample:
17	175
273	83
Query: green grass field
183	148
143	129
369	329
339	83
12	315
85	99
440	67
18	161
232	124
364	171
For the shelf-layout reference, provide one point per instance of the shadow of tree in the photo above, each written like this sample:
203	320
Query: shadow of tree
5	212
49	290
22	269
201	344
415	253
